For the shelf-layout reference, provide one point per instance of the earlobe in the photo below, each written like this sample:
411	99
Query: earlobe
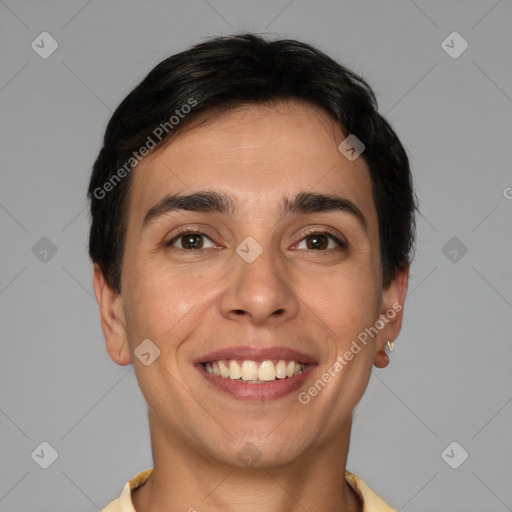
112	319
393	300
381	359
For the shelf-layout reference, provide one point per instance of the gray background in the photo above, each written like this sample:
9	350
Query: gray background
450	374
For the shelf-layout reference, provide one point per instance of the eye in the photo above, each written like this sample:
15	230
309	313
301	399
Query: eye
190	240
319	240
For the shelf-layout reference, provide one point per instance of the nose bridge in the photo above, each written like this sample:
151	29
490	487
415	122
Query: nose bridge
258	286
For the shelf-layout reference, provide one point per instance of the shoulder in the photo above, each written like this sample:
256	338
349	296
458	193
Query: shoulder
124	502
371	501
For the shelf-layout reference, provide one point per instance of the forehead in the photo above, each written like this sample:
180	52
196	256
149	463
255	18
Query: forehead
257	153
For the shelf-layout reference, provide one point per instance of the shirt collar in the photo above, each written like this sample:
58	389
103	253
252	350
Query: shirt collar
371	501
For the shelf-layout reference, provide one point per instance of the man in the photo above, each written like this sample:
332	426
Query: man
252	230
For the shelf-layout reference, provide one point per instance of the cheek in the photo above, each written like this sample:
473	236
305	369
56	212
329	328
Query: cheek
347	301
162	299
164	309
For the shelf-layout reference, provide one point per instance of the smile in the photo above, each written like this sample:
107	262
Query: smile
254	372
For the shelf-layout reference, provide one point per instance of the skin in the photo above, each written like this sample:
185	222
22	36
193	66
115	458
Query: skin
189	305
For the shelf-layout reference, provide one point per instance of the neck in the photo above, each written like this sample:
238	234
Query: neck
184	479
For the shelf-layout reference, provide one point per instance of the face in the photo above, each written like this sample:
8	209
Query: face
267	277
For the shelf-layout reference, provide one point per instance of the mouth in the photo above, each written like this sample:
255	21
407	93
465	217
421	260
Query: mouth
255	372
248	373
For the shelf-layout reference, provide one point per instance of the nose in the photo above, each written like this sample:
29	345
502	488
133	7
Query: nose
259	292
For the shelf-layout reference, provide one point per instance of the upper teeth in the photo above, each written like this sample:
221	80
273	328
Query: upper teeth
254	371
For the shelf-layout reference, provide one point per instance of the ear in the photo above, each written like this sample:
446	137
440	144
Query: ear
112	317
391	314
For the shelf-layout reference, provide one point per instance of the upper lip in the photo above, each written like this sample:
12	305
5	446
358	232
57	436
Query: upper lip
255	354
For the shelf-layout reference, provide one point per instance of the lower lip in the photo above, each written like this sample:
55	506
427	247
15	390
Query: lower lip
257	392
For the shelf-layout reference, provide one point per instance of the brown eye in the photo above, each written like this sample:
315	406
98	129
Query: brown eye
189	241
319	241
192	241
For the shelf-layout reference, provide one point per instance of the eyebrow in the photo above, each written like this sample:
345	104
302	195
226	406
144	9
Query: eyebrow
222	203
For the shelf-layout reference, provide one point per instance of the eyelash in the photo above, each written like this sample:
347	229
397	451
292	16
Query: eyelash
341	243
